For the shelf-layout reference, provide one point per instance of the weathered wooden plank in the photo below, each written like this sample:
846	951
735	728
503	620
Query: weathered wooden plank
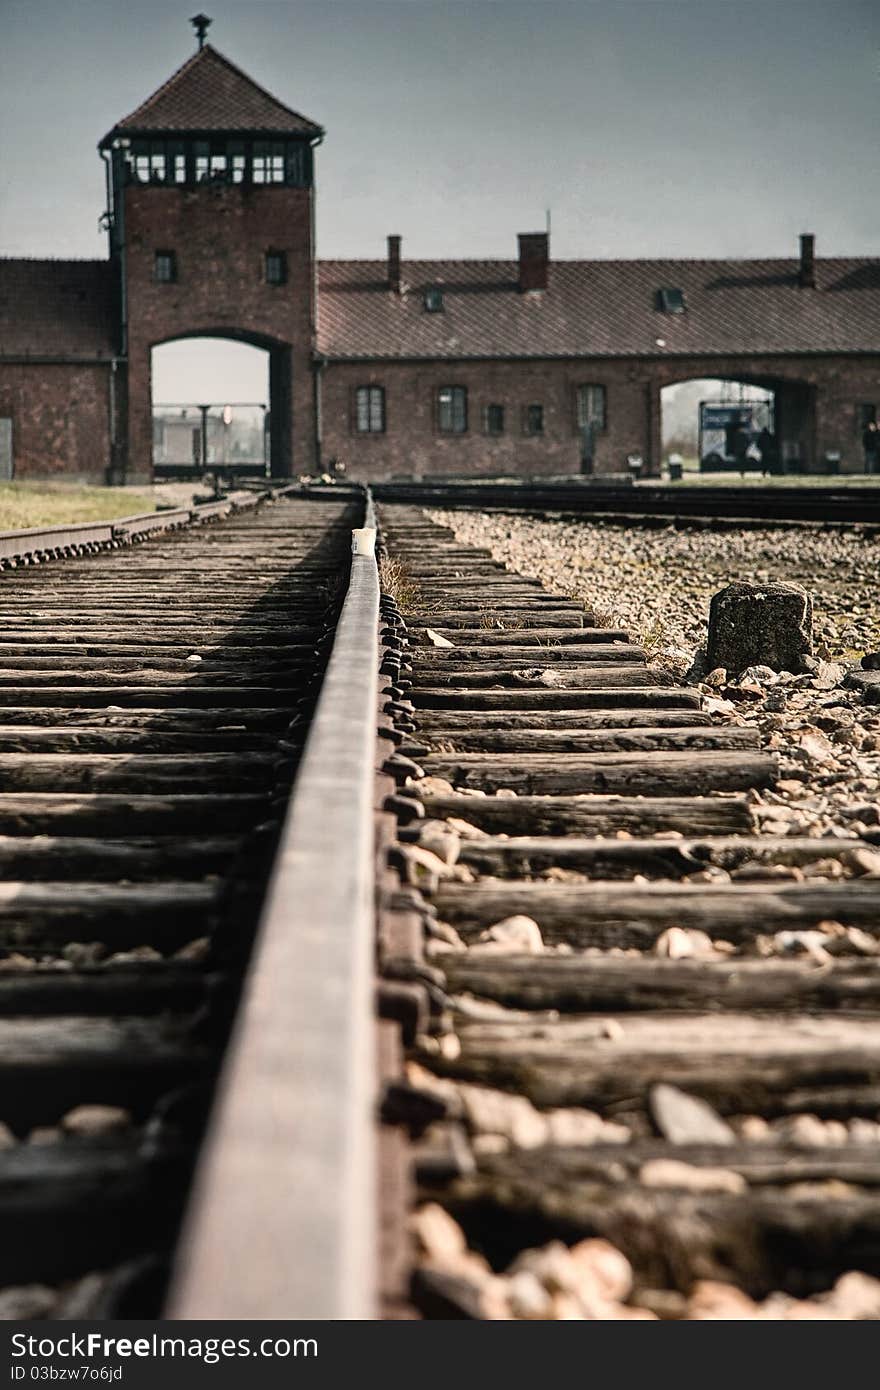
586	677
737	1062
54	857
47	1065
621	695
184	677
594	815
36	653
95	693
444	723
105	990
16	739
514	657
165	915
530	637
615	914
175	720
534	742
135	772
524	856
760	1241
96	813
502	617
603	984
649	774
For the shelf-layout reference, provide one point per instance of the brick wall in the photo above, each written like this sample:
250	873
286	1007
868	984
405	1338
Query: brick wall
817	400
219	236
60	420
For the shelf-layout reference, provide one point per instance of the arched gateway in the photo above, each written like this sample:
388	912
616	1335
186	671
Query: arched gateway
210	214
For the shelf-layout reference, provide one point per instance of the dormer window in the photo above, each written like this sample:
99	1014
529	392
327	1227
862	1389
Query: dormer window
670	301
434	300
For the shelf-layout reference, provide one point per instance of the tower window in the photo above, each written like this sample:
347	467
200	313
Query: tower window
494	420
165	267
276	268
434	300
452	409
533	419
268	163
670	301
370	410
591	407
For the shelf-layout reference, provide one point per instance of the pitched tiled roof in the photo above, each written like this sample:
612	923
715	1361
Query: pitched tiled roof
56	309
210	93
598	309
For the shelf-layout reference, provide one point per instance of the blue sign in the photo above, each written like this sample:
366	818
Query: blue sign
719	417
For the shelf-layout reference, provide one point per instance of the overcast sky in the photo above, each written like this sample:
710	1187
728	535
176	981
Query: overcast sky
647	127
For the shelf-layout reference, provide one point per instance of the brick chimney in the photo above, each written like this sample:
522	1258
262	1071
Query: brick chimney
394	264
534	260
807	271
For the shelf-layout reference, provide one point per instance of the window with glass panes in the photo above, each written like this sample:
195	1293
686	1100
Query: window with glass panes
276	268
534	419
494	419
452	409
370	410
268	161
591	407
165	267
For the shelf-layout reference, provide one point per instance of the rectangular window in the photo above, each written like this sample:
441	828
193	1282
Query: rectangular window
533	419
202	158
165	268
370	410
236	160
276	268
494	421
176	161
591	407
452	409
268	165
867	414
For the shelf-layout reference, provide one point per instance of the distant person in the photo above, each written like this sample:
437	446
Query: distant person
871	446
768	450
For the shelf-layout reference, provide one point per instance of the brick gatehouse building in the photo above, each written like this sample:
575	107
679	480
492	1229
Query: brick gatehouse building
397	367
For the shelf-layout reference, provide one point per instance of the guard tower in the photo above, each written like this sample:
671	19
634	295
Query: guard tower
211	224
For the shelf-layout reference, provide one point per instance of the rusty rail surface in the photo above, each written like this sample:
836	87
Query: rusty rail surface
36	543
610	500
282	1219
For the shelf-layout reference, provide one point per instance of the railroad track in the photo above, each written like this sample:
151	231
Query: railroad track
155	701
608	1007
671	1041
651	502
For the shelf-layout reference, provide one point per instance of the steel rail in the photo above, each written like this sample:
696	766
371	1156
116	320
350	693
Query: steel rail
39	541
282	1219
609	500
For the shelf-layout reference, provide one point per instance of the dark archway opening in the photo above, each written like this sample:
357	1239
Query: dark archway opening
738	426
